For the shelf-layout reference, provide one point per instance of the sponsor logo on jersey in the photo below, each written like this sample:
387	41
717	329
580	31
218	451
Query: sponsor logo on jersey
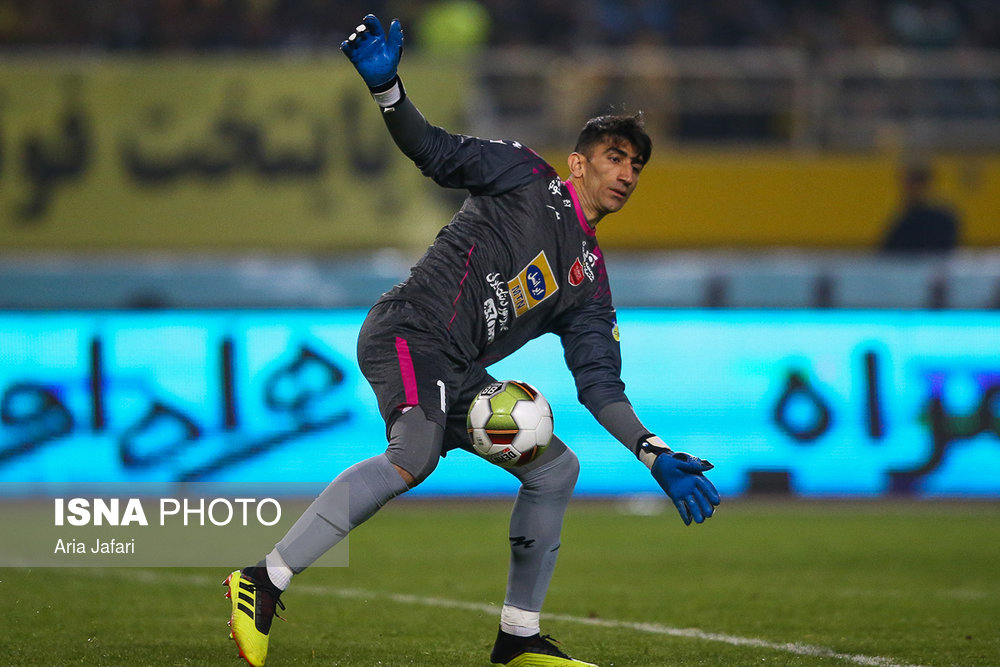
576	273
536	282
496	310
533	284
491	314
590	261
583	267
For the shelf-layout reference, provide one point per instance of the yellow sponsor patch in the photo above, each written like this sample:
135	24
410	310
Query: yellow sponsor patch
533	284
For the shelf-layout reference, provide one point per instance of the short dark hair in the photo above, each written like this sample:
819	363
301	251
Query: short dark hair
616	127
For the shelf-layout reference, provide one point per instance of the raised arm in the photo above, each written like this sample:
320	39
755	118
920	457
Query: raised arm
452	160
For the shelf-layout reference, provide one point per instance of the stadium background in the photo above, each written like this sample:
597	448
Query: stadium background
198	200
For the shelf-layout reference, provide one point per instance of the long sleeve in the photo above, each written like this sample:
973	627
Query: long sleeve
407	127
481	166
620	420
593	354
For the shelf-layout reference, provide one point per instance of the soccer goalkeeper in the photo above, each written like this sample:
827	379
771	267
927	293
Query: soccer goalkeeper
519	259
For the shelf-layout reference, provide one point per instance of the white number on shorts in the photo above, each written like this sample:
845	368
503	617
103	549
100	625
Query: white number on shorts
440	384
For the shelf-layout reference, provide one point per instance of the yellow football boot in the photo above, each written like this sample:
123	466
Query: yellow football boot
534	651
254	601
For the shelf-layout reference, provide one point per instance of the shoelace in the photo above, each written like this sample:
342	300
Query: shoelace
269	589
278	604
552	640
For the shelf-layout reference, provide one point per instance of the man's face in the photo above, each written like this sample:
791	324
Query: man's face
607	177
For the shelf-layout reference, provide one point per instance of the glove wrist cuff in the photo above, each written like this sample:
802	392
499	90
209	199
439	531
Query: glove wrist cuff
648	454
389	94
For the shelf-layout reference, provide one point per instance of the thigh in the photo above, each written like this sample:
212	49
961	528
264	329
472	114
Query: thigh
456	433
408	361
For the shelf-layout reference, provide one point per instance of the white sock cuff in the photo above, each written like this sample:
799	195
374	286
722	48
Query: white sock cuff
519	622
277	569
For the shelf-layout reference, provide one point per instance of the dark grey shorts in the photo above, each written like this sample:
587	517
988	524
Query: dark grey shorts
408	359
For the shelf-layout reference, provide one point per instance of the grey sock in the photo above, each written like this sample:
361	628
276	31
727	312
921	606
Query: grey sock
364	487
535	526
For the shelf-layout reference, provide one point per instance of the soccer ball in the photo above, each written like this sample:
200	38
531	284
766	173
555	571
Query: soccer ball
509	423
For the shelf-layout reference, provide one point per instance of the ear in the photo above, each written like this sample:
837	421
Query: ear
575	161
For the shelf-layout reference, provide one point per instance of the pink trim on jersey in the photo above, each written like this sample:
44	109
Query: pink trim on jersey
461	286
406	371
579	210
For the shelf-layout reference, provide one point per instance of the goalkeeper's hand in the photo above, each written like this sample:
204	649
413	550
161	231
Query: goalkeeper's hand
374	53
680	476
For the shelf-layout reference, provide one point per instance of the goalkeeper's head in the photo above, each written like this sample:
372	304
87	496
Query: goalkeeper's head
627	128
606	161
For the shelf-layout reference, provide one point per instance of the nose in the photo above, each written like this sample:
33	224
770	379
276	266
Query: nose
625	173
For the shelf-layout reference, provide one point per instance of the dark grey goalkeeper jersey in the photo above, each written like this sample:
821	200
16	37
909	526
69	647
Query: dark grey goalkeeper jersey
518	259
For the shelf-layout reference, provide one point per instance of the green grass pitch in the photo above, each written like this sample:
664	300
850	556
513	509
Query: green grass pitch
763	583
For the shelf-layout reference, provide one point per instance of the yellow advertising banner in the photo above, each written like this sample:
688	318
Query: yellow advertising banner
239	153
224	153
761	199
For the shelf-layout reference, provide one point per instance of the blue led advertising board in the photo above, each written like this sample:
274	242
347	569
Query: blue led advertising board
831	403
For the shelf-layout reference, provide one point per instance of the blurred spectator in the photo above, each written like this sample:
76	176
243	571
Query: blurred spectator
922	225
925	23
542	23
453	27
199	25
613	22
861	24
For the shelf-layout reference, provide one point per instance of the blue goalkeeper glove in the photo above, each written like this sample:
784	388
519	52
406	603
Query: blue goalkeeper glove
374	53
680	476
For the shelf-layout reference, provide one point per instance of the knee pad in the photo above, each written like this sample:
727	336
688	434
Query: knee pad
415	443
